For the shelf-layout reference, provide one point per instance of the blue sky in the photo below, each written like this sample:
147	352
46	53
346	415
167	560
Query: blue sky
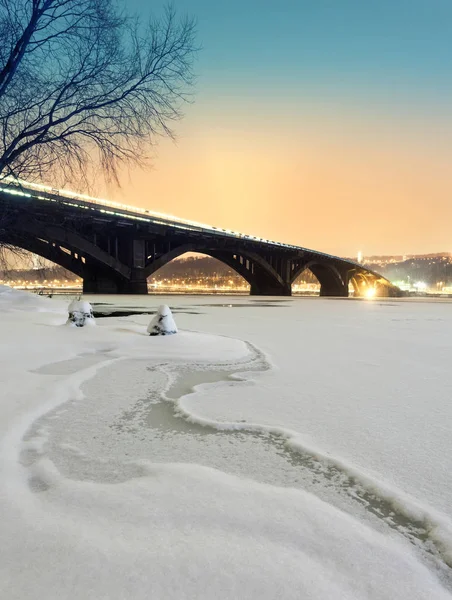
400	47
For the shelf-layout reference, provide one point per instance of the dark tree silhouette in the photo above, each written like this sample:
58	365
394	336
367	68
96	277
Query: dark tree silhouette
83	84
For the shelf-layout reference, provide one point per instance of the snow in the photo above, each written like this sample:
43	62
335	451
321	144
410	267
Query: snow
105	492
15	300
163	322
80	314
367	383
80	306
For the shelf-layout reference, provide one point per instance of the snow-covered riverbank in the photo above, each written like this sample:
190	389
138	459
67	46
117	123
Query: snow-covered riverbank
107	493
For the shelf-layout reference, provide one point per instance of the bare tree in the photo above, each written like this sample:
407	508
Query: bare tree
82	83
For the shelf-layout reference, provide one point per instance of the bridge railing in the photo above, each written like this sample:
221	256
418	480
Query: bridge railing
19	187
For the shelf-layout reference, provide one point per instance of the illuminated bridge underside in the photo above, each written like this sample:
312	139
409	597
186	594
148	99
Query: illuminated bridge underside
115	248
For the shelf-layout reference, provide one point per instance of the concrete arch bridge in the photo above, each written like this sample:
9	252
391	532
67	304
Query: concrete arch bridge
115	247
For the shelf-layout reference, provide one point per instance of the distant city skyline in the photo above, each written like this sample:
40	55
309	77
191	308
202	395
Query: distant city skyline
325	124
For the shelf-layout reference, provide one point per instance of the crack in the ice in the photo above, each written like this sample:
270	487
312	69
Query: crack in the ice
318	474
321	471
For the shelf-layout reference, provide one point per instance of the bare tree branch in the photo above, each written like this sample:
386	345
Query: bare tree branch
83	84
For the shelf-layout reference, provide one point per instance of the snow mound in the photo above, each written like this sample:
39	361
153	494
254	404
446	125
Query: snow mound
163	322
12	300
80	314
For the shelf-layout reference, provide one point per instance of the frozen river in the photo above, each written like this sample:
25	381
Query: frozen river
368	382
348	401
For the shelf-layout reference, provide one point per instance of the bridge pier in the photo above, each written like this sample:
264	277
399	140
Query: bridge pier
269	289
334	289
333	283
138	283
101	281
97	281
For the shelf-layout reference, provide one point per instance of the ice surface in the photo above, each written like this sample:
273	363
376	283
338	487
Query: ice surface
186	531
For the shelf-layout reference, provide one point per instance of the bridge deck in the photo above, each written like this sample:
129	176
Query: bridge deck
84	201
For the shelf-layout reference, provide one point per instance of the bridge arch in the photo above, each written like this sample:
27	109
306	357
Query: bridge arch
76	244
101	273
254	269
366	283
194	270
52	252
332	281
361	283
306	283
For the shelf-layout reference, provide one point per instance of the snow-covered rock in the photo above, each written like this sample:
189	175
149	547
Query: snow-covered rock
163	322
80	314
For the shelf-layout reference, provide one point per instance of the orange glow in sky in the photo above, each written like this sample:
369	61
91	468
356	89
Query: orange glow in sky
333	184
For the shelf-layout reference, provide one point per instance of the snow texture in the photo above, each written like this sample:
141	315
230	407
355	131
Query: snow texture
163	322
18	300
107	522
